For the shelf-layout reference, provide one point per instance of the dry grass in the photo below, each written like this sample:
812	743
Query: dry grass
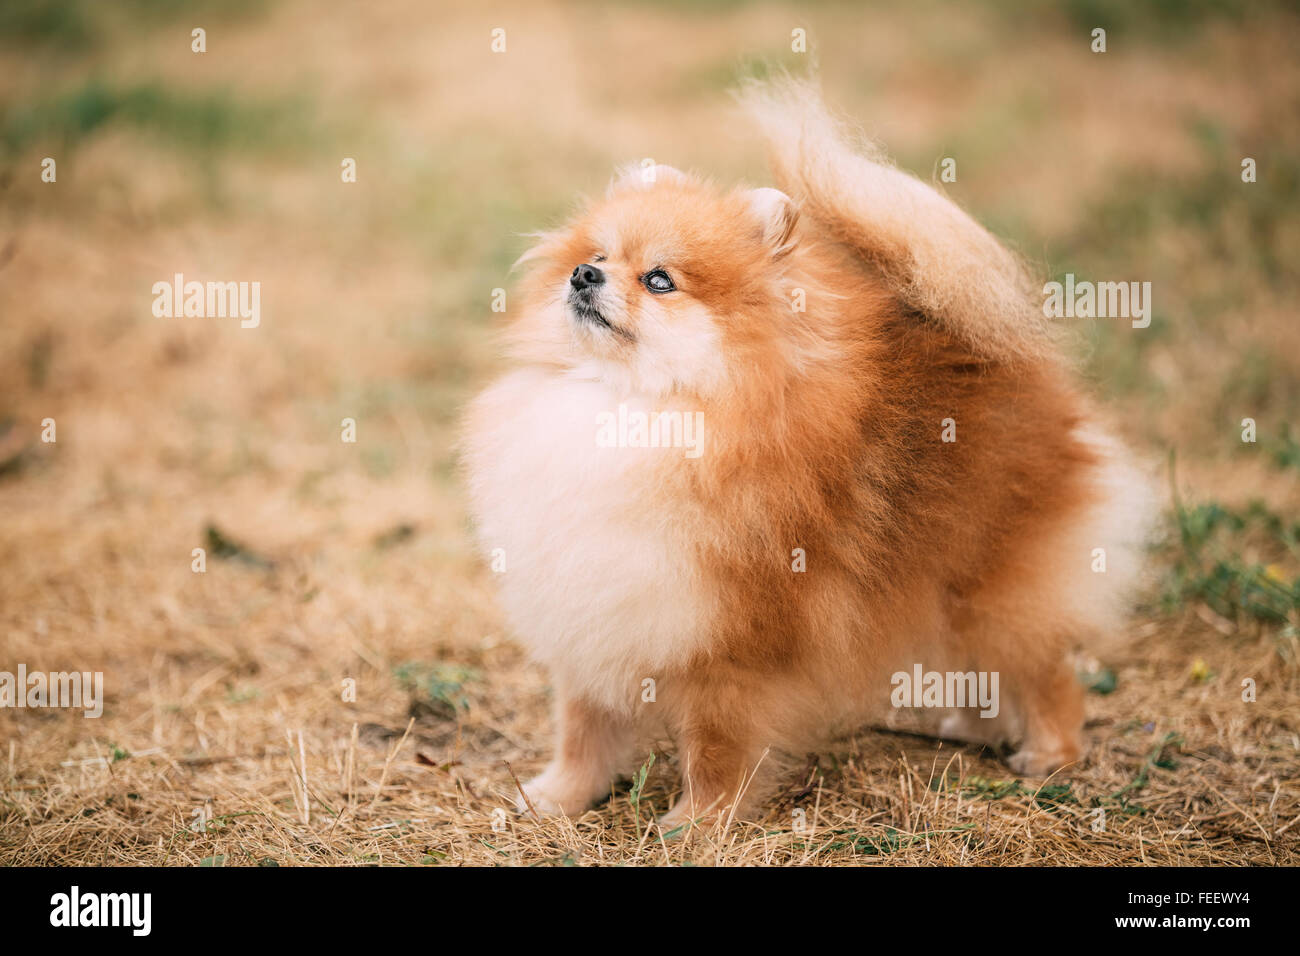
224	688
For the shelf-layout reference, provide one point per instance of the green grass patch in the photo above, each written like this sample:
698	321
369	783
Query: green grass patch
638	787
439	686
77	26
1155	20
1208	564
1161	756
889	840
1285	451
202	120
972	787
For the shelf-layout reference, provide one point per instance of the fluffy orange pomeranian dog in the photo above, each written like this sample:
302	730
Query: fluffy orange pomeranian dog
763	452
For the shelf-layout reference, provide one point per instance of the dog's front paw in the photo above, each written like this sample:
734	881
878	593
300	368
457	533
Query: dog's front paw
1032	762
687	814
962	725
549	794
675	818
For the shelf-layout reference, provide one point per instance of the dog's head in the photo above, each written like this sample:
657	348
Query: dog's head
664	284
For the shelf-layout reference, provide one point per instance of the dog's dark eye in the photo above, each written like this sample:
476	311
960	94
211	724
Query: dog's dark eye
658	281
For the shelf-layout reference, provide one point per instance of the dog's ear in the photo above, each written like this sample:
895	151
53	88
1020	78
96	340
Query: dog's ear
643	175
776	214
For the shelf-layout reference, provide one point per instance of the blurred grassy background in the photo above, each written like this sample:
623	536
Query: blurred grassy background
376	295
1119	165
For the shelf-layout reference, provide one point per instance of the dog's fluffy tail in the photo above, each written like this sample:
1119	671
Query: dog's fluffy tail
937	258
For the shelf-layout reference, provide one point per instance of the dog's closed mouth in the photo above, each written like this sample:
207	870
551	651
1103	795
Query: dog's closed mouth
589	313
585	311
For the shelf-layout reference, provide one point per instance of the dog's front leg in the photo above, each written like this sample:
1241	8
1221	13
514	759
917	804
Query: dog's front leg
592	746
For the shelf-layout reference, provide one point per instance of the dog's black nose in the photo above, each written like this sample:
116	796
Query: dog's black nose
586	275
